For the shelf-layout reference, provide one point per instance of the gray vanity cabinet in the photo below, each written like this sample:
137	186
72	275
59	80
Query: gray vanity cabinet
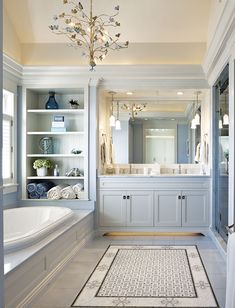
126	208
167	209
195	209
183	208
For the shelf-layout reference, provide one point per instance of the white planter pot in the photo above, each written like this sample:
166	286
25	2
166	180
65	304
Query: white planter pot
42	171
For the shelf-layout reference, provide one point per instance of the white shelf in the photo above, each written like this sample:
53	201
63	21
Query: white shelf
55	111
55	133
56	155
55	177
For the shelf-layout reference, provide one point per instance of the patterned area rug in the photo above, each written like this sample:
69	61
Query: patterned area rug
148	276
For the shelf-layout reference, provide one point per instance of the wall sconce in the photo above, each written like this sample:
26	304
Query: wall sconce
197	115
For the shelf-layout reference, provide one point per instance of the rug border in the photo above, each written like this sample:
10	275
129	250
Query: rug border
72	305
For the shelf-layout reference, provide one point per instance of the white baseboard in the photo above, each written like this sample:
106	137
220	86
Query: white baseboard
219	242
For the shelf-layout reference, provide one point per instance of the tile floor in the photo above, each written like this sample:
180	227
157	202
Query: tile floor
63	290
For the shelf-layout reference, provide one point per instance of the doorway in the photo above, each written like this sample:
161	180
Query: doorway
221	152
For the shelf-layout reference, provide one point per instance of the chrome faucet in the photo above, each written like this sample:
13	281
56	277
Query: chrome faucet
180	169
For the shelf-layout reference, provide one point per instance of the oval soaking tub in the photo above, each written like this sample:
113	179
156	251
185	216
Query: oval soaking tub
26	226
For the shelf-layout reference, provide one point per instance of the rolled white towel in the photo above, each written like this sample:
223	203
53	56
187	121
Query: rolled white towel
77	188
68	193
55	192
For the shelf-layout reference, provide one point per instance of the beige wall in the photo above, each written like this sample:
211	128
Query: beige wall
137	53
11	43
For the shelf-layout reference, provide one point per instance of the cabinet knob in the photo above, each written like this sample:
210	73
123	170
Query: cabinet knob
183	197
179	197
124	197
128	197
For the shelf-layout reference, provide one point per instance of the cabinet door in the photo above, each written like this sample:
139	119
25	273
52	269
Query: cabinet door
167	209
195	208
140	208
112	208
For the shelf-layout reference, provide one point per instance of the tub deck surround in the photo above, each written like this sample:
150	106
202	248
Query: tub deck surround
28	225
17	257
154	203
30	269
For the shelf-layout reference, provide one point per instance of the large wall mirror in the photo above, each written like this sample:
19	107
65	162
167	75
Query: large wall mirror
155	126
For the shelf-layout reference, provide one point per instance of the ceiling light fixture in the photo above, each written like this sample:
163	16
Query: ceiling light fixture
180	93
118	123
129	93
197	115
225	116
133	109
88	31
112	117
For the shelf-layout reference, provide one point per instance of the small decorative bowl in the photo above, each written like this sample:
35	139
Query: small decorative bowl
76	151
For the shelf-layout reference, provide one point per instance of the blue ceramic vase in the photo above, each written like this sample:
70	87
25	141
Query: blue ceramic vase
51	103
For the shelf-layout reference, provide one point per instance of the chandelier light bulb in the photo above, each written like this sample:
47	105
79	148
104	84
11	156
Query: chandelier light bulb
88	30
225	119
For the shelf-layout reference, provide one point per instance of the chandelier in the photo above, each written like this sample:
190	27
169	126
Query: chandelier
88	31
133	109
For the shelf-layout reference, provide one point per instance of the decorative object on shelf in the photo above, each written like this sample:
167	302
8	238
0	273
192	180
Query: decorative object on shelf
46	145
58	125
51	103
74	172
76	151
133	109
42	166
56	171
88	31
117	123
74	104
112	117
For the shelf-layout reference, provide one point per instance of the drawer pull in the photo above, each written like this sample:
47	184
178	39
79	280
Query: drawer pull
124	197
179	197
128	197
183	197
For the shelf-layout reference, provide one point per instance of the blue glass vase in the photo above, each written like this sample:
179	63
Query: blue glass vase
51	103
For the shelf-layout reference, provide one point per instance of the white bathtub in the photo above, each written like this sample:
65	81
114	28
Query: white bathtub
26	226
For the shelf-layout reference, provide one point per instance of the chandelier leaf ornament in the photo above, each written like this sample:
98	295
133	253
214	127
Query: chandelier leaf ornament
89	31
133	109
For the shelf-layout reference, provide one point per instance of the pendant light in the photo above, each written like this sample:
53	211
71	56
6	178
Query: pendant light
197	115
118	123
225	116
112	117
193	124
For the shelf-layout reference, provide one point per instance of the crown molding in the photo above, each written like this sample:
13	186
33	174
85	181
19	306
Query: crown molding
223	41
12	69
111	76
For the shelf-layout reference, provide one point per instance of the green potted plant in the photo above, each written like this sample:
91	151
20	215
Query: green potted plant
42	166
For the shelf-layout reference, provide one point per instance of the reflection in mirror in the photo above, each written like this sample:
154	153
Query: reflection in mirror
161	131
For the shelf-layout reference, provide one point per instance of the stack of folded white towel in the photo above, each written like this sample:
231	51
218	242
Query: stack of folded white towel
65	191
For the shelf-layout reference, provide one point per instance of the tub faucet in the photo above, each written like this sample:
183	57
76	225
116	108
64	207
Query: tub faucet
180	169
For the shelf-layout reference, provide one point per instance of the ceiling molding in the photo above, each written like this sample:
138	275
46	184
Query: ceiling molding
111	76
12	69
219	50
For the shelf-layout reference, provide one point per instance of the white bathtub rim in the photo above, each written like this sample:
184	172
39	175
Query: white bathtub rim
33	237
18	257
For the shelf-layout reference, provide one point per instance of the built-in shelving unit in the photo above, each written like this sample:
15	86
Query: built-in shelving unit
37	125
